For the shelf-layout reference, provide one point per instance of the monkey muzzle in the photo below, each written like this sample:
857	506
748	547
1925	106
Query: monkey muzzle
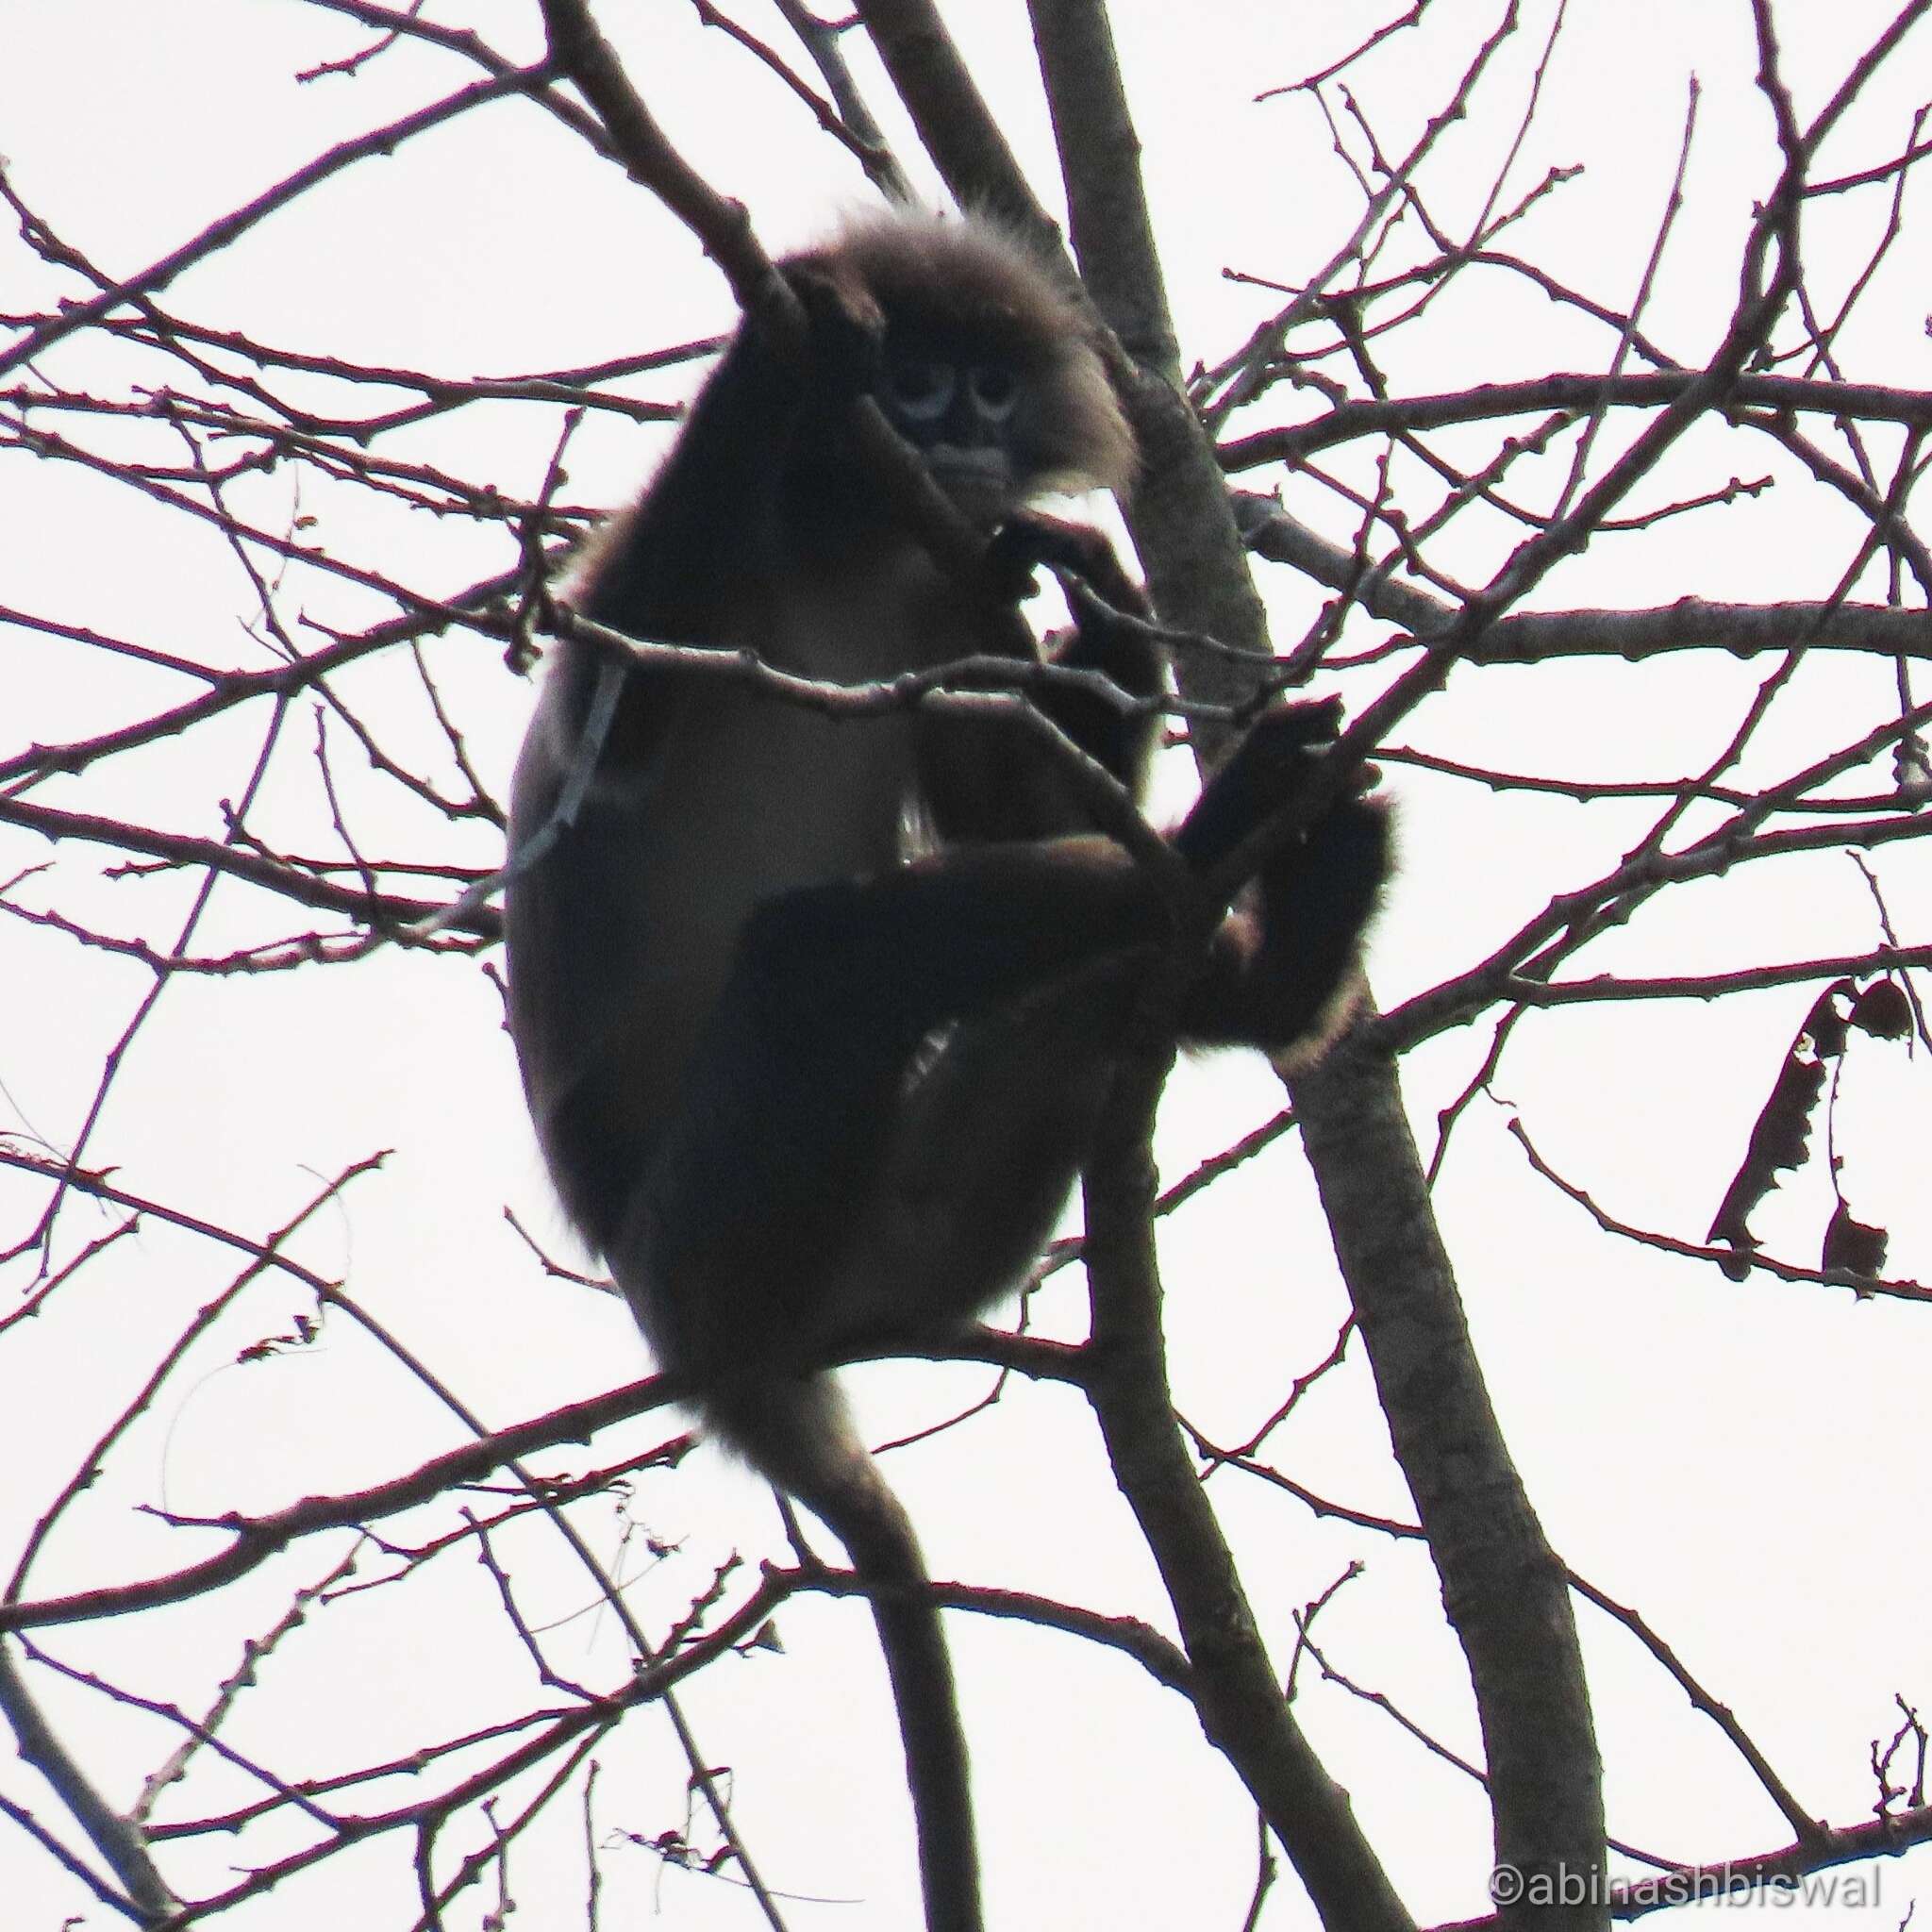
978	480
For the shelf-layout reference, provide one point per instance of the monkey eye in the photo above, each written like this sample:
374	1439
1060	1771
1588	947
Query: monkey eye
921	388
994	390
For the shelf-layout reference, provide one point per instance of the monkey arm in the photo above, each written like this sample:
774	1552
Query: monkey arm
1123	740
658	571
721	501
996	780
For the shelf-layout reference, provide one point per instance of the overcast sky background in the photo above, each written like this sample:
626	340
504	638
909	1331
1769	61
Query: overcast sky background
1745	1464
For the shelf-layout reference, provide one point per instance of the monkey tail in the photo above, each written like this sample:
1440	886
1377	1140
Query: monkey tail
800	1434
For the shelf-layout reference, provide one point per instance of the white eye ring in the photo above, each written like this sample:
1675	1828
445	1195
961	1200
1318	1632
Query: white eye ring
995	390
922	390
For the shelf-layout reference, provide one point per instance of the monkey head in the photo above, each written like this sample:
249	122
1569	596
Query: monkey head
983	361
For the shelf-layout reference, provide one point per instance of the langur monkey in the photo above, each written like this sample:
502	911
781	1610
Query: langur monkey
810	1096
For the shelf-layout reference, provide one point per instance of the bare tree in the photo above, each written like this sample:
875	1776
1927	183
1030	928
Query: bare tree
295	1613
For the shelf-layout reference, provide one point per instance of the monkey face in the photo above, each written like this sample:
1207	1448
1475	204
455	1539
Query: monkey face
961	414
978	358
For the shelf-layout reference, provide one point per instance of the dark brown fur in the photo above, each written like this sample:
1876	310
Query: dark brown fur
807	1097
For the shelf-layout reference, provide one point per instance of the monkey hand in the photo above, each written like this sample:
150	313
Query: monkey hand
1031	538
846	333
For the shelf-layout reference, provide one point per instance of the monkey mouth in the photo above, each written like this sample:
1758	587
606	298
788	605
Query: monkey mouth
980	481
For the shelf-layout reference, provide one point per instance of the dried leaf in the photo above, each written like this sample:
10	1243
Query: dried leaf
1825	1024
1780	1139
1883	1011
1850	1243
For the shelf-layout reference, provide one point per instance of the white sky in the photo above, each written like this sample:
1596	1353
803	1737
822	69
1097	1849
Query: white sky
1741	1463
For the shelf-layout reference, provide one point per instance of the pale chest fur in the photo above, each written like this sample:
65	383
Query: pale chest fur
753	795
743	796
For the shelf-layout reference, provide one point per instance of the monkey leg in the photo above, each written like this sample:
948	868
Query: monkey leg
962	1001
961	1212
1282	974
